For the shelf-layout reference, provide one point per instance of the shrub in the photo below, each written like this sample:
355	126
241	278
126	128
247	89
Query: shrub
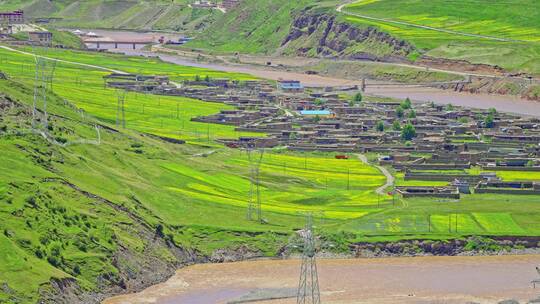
396	126
357	98
408	132
76	270
380	126
400	112
406	104
489	121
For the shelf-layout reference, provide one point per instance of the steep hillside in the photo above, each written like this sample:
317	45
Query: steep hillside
503	33
411	30
123	14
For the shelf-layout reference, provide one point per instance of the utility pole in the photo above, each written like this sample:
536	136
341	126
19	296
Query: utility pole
348	178
308	286
254	203
120	111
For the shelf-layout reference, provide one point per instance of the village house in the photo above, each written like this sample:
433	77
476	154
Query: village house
15	17
44	38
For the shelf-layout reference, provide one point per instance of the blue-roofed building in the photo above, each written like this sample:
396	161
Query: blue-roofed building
291	86
321	113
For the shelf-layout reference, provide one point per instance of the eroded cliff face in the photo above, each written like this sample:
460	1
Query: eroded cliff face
323	35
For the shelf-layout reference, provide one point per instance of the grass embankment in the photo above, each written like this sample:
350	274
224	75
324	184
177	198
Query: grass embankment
189	194
513	19
60	38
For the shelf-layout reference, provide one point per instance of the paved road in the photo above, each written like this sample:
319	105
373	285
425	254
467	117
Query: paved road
389	178
340	10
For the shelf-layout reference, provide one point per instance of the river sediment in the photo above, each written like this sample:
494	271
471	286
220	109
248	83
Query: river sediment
485	279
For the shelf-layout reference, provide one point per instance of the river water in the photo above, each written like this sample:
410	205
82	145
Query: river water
486	279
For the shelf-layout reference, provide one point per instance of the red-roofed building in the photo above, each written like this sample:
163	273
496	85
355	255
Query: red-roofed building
16	17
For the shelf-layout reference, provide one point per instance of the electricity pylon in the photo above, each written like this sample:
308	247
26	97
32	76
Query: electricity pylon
44	75
308	286
254	205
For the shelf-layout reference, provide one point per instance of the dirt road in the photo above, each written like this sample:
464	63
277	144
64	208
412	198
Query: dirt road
391	280
389	178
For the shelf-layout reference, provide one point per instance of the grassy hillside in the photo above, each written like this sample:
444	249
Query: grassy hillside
123	14
253	27
128	211
515	20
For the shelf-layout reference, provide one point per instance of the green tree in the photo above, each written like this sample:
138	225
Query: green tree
396	125
449	107
489	121
380	126
357	98
207	78
400	112
492	111
197	78
408	132
412	114
406	104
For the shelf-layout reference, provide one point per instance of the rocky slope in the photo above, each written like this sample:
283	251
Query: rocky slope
323	35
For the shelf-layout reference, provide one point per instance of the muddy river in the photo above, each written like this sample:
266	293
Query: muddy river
387	280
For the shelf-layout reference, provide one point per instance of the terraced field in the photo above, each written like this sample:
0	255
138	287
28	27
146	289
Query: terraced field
163	116
513	20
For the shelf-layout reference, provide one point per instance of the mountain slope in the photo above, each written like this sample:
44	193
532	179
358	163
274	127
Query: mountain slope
118	14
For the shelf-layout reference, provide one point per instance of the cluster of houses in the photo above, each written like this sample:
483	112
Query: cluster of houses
209	4
447	141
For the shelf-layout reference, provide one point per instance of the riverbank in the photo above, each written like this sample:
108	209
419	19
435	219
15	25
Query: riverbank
386	280
503	103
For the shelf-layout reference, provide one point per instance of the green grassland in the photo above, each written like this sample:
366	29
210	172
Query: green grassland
514	20
77	211
254	27
163	116
124	14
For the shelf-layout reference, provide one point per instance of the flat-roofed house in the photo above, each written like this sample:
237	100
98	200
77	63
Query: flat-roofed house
44	38
15	17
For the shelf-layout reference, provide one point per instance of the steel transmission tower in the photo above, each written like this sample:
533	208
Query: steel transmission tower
308	287
44	75
254	205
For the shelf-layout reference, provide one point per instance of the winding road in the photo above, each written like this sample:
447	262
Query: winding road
389	177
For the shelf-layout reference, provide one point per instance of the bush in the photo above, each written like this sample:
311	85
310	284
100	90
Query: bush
357	98
159	230
39	253
406	104
489	121
408	132
53	261
396	126
61	139
412	114
380	126
31	201
76	270
400	112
